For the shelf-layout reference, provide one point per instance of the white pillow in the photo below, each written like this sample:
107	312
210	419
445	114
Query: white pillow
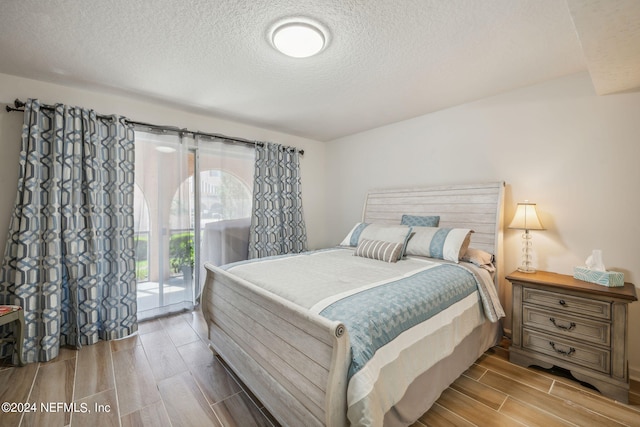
440	243
354	234
386	233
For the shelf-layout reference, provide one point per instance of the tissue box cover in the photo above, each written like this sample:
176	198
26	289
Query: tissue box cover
605	278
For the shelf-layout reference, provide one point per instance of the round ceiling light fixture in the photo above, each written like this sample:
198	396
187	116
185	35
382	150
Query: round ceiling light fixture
165	149
298	39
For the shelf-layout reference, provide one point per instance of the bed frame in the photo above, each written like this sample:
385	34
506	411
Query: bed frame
296	362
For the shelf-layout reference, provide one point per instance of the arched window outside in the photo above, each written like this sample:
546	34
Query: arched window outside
223	197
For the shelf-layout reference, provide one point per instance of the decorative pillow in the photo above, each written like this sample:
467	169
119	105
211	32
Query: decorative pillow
386	233
377	249
441	243
420	221
354	235
480	258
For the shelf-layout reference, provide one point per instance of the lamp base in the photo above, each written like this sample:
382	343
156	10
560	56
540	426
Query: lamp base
526	270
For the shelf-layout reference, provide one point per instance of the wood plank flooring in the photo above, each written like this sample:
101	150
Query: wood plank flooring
166	376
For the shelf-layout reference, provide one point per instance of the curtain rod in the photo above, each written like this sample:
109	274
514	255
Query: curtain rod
19	105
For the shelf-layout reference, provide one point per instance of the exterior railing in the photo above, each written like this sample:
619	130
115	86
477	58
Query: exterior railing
141	239
181	252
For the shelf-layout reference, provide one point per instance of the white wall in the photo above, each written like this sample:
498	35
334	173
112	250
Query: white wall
11	87
557	144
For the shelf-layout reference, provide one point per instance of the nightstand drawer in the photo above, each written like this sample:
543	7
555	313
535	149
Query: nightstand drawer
569	326
567	303
568	351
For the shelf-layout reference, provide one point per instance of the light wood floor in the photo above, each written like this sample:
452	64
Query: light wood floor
166	376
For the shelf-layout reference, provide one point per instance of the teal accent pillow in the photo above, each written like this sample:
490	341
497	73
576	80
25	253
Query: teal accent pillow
420	221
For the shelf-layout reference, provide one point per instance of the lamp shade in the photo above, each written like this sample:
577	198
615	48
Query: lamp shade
526	218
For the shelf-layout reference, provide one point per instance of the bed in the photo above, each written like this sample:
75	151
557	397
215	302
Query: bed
297	346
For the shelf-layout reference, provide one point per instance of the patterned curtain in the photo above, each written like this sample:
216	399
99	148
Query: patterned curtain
69	260
277	223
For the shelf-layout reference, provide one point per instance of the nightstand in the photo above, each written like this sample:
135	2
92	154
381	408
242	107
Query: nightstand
576	325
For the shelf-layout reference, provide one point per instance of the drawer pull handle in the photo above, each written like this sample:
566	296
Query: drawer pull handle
563	327
562	302
563	352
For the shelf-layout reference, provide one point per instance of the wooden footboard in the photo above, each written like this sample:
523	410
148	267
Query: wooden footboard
294	361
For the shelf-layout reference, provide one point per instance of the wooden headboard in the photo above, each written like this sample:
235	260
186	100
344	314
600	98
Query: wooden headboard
475	206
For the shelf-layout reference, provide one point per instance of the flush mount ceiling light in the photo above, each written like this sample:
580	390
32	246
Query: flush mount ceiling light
165	149
298	39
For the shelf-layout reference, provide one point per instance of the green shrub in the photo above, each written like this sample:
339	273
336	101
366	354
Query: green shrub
181	251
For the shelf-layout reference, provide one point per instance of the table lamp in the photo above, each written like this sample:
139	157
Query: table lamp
526	218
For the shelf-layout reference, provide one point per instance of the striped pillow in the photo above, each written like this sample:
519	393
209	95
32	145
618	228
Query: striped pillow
377	249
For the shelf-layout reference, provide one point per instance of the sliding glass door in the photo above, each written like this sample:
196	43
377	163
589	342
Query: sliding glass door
183	185
163	224
225	183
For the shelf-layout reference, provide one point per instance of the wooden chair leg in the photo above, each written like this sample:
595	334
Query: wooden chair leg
20	336
14	315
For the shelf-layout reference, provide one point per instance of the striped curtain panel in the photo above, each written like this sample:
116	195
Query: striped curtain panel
69	260
277	223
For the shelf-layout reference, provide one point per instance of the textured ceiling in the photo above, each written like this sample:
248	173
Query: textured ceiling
387	60
609	32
